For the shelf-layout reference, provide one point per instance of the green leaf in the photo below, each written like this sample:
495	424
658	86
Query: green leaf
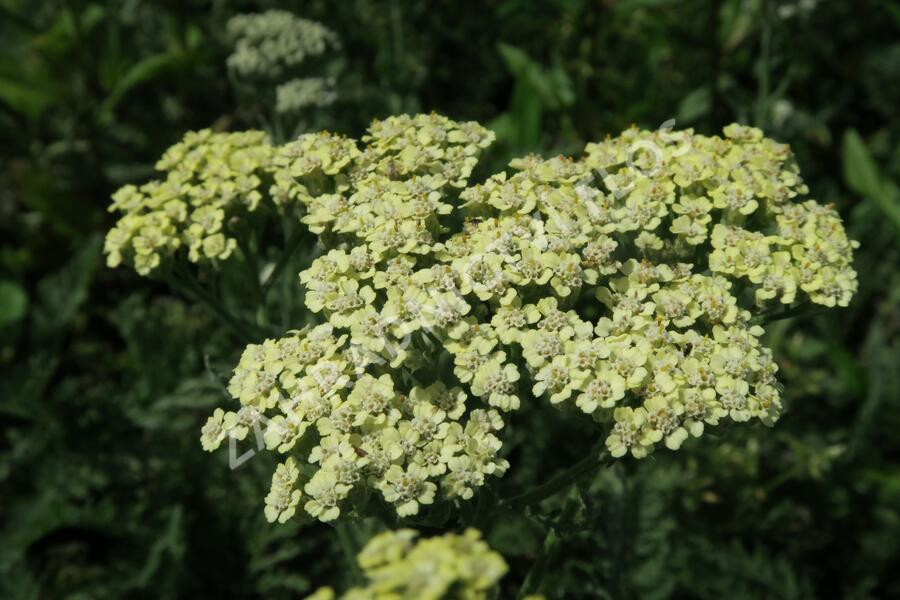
737	20
516	535
61	295
536	89
140	73
860	170
694	105
168	549
551	85
13	302
516	60
27	97
863	177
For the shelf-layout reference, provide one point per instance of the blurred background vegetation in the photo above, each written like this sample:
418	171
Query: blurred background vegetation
105	379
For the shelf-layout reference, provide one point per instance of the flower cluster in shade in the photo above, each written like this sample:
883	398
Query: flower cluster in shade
398	565
273	43
622	285
300	93
275	47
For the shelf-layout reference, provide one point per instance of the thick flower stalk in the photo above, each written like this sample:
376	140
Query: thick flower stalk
626	285
401	566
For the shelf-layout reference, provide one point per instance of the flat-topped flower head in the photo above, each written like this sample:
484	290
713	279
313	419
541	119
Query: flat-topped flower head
401	565
621	286
271	44
210	178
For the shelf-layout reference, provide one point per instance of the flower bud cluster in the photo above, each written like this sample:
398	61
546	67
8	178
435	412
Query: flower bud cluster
401	566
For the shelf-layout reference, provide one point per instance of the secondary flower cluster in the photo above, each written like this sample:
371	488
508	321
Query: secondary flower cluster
808	253
210	178
274	49
621	285
391	195
337	396
297	94
738	194
400	566
271	44
356	430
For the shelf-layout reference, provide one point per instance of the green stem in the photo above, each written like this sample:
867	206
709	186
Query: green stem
486	500
350	547
290	247
620	536
249	260
588	464
252	268
535	576
763	90
777	315
218	310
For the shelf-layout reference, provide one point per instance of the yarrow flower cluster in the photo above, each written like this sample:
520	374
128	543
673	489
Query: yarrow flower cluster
622	285
297	94
353	428
400	566
272	43
341	396
210	179
273	47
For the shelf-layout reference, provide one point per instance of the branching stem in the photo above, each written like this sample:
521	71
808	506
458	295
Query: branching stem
188	282
350	547
595	458
538	568
290	247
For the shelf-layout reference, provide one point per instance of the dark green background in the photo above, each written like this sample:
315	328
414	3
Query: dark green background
106	378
